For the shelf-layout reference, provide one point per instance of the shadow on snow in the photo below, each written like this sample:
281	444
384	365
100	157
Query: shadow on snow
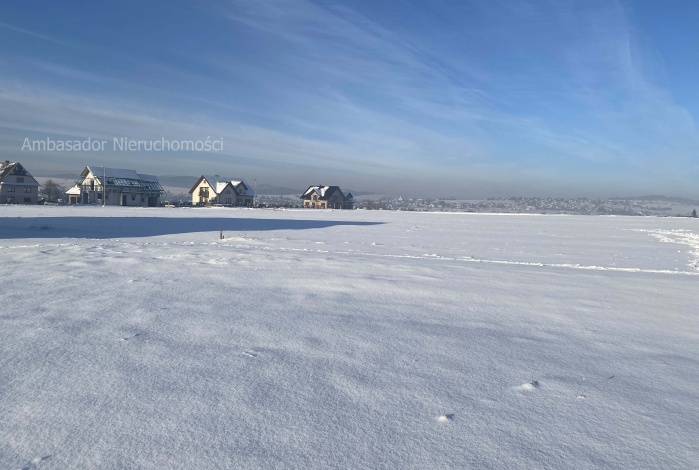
127	227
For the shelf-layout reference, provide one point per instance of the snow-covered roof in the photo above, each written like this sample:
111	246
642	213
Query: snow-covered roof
75	190
219	186
5	168
8	168
219	183
122	179
319	189
100	171
324	192
213	179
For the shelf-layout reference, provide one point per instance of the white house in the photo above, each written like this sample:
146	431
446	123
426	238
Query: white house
216	190
327	197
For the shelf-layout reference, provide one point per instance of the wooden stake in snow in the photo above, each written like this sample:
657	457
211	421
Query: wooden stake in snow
221	235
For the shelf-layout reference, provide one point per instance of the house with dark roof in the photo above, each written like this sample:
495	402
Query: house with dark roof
115	187
327	197
17	185
224	191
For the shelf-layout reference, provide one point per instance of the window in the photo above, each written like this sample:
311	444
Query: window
11	189
228	200
133	198
27	190
27	199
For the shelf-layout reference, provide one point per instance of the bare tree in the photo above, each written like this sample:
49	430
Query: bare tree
374	205
52	191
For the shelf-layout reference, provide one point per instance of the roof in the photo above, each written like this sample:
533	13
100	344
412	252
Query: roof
75	190
5	169
324	192
8	168
218	184
110	172
242	188
122	179
318	189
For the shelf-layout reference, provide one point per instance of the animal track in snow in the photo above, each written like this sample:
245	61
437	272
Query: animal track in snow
530	386
446	418
250	353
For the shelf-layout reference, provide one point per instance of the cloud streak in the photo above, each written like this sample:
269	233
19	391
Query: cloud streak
531	95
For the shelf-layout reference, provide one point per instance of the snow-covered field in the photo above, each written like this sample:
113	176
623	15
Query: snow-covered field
137	338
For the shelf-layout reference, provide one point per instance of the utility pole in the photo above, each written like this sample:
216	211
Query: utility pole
254	196
104	186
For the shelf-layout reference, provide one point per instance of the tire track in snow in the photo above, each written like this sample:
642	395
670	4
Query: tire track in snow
436	257
688	236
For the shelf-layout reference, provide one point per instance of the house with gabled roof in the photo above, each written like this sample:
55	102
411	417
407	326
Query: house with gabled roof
115	187
327	197
17	185
224	191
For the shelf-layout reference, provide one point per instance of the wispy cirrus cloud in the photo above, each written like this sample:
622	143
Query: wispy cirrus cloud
476	92
34	34
595	69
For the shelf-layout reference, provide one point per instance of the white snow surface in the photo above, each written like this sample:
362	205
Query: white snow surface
309	339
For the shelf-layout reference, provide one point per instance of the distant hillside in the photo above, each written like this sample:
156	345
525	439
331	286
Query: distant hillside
64	176
270	190
184	182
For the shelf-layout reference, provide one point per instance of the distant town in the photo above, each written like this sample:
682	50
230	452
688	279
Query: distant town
655	206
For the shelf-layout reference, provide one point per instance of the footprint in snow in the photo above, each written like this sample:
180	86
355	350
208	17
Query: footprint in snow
35	461
127	338
530	386
250	353
446	418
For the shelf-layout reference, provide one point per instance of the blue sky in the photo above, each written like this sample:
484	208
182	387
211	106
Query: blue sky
438	98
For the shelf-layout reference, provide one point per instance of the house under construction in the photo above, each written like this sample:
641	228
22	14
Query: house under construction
115	187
